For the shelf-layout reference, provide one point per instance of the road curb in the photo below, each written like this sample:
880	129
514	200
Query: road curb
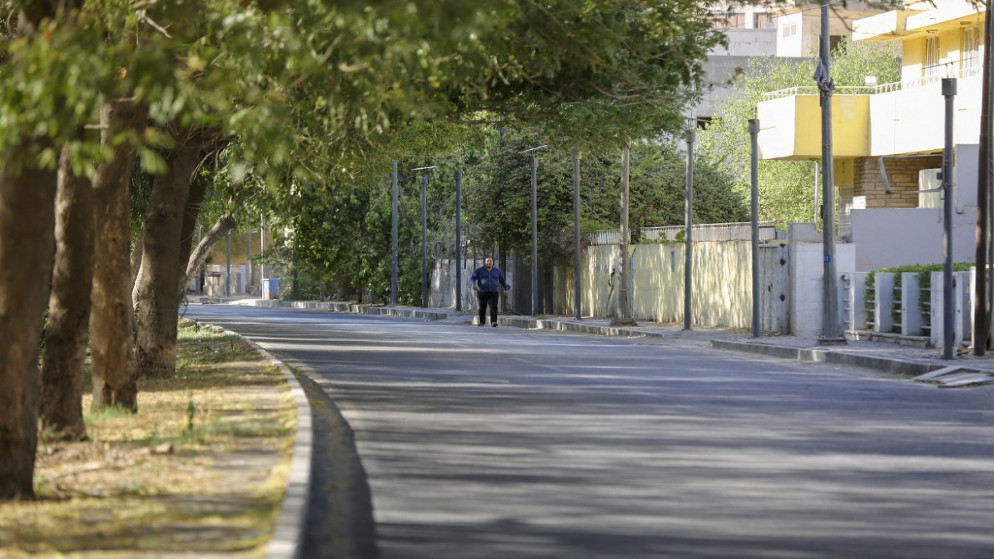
839	356
351	308
288	533
893	366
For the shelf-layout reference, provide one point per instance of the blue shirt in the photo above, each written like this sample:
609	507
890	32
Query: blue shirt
488	281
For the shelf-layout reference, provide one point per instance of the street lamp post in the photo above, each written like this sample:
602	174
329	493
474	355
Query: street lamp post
535	235
831	330
227	267
394	227
688	240
754	199
424	235
948	313
458	239
534	185
576	233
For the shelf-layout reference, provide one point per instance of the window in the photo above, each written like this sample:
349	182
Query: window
932	61
789	30
734	21
763	21
970	56
833	42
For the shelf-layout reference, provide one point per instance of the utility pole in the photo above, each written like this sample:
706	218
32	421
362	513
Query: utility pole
625	317
424	234
394	228
831	330
458	238
534	191
424	241
248	257
576	233
227	269
754	199
688	260
981	310
535	309
948	313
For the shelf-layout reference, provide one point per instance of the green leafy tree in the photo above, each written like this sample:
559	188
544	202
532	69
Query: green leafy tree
296	90
499	200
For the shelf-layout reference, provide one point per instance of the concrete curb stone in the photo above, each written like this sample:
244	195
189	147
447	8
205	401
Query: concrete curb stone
285	542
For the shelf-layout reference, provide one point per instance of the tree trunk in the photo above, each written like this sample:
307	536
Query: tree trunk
27	239
224	224
111	343
137	252
158	297
27	243
68	307
190	212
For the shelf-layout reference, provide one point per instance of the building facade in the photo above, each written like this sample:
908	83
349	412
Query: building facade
892	135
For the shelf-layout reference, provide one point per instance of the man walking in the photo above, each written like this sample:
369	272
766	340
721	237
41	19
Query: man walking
487	281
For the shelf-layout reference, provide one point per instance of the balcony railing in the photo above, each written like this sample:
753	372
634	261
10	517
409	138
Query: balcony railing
874	89
711	232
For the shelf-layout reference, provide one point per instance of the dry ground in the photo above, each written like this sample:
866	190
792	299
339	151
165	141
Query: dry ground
201	469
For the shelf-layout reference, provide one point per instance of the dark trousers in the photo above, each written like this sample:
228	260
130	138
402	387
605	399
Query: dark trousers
487	298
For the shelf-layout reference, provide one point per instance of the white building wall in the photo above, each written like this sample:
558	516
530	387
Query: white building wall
912	119
899	237
790	31
748	42
806	273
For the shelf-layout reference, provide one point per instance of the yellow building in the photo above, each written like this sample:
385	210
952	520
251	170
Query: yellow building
940	39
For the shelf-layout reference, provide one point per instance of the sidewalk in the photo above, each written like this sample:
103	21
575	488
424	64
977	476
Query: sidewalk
924	364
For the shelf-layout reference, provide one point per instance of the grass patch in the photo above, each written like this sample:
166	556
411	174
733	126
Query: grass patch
200	469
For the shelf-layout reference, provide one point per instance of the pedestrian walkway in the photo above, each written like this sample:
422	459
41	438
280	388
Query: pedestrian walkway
911	361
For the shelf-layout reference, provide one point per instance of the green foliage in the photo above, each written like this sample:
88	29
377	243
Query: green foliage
499	200
924	272
341	237
312	100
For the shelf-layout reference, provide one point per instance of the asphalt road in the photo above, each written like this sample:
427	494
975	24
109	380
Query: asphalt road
507	443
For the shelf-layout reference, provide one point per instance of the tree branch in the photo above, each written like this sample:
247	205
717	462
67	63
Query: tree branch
221	227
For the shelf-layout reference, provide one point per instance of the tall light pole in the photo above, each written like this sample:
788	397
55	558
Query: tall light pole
227	267
754	203
424	241
394	228
982	301
576	233
248	257
424	235
948	314
831	330
688	239
534	185
535	235
458	238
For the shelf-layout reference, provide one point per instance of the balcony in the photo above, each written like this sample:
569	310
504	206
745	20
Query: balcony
889	119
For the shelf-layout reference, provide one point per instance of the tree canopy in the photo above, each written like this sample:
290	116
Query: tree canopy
287	107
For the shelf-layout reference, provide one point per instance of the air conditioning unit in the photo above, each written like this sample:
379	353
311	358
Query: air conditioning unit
930	179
